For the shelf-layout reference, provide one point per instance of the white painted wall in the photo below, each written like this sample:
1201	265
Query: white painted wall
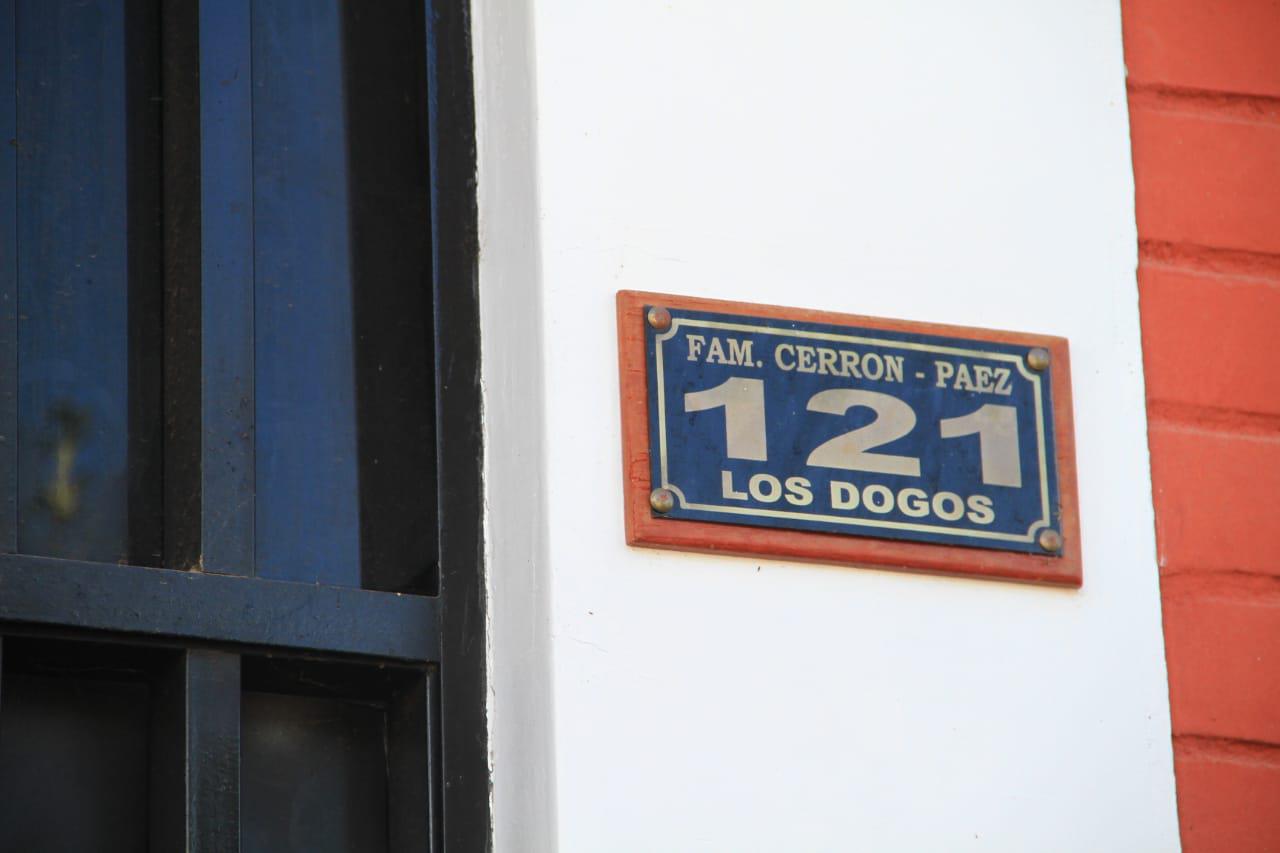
516	488
946	162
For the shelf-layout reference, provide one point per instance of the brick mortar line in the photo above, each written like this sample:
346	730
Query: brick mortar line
1190	417
1210	103
1229	750
1192	257
1243	586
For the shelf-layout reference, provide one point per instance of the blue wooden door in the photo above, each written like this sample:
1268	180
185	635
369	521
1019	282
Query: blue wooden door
220	569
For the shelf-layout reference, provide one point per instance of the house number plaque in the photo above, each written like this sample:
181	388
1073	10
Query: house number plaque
798	434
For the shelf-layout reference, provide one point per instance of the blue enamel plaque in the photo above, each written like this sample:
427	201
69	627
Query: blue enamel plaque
857	431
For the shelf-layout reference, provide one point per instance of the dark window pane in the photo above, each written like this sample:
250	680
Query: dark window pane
313	775
73	764
88	296
391	265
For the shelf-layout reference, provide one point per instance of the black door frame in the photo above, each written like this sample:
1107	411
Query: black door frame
460	442
194	610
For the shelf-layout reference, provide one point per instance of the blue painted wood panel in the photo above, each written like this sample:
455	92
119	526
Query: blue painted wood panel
72	282
307	525
8	279
227	288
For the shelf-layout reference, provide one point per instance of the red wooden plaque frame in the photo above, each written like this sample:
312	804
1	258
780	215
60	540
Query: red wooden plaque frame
647	530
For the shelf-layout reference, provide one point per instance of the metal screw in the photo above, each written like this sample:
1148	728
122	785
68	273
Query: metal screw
1038	358
662	500
659	318
1050	540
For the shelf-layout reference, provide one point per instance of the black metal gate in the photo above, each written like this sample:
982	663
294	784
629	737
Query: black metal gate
239	428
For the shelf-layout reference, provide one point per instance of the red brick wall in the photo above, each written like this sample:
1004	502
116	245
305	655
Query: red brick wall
1204	101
